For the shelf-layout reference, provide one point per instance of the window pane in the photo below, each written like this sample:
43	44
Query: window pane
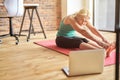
104	14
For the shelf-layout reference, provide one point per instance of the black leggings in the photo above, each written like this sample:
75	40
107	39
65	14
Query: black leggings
69	42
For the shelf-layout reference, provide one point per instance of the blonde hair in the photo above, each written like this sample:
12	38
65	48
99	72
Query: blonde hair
83	12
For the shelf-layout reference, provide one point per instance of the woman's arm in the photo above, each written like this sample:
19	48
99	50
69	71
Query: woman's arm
85	31
96	32
81	29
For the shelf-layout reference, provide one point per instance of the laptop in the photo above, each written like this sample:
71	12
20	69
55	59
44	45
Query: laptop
85	62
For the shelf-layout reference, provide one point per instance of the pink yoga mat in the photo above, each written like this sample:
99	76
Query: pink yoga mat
52	45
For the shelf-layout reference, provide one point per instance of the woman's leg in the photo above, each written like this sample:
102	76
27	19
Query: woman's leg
109	47
108	50
94	44
84	46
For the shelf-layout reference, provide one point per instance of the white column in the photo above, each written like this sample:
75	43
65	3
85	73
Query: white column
89	6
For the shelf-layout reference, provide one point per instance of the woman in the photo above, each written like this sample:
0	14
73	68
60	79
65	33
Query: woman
93	39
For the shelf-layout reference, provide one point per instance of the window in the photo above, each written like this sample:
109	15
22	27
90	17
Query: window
104	14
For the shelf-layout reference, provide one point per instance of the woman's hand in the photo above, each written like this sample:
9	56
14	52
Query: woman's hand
106	41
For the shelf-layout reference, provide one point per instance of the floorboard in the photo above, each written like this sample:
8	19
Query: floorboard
28	61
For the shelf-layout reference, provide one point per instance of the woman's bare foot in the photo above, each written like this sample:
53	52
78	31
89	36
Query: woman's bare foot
113	44
109	50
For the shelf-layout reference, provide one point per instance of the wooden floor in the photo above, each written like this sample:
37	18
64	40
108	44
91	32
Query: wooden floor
28	61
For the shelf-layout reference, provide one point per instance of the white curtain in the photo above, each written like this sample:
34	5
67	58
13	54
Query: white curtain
14	7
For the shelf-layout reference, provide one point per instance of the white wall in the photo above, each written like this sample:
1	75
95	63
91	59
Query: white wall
74	6
71	6
89	5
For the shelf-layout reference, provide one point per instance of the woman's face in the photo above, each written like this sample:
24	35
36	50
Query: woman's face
82	20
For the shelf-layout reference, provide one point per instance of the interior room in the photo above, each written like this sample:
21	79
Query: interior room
22	55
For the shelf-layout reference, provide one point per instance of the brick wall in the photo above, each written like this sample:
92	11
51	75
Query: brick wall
49	11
